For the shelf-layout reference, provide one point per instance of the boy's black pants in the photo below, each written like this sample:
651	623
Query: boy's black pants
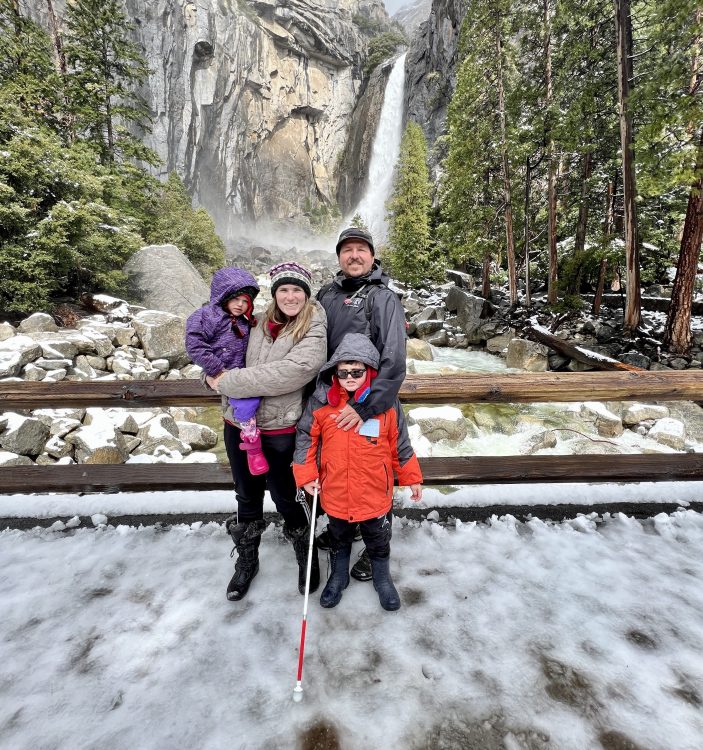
376	533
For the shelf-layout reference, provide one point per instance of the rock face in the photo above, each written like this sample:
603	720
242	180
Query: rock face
412	15
252	98
430	68
162	278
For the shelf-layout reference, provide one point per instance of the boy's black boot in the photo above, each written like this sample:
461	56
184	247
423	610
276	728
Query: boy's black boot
301	543
383	583
246	537
339	577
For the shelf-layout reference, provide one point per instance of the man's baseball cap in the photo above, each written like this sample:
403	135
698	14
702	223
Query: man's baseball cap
355	233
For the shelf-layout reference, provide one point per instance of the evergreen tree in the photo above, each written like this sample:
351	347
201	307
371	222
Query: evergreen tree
473	191
408	210
191	230
27	74
106	69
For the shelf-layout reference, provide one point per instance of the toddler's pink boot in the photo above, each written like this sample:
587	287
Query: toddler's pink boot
255	458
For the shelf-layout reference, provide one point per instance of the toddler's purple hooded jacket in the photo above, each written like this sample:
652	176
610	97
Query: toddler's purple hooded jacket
211	341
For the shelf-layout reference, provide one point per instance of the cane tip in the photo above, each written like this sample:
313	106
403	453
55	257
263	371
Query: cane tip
297	694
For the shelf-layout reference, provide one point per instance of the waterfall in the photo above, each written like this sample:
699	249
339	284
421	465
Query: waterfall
384	154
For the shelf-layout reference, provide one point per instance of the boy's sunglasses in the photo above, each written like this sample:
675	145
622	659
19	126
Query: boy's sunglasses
344	374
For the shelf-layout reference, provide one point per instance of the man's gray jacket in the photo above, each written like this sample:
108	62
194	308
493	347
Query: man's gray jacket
366	305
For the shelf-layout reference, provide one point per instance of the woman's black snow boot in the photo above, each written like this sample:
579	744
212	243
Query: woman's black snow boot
383	583
247	537
301	543
339	577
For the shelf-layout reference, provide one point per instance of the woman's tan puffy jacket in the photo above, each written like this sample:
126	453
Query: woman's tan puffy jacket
277	371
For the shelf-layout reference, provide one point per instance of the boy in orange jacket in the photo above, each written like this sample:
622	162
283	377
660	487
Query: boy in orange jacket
353	470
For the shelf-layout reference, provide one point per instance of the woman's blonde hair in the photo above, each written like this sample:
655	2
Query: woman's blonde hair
296	327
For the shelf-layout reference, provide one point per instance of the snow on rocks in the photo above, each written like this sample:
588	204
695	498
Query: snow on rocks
636	413
668	431
23	435
15	353
607	422
7	458
99	442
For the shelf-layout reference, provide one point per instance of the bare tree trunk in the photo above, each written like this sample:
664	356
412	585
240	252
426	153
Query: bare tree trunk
508	211
552	168
623	27
677	336
528	188
601	286
486	277
581	226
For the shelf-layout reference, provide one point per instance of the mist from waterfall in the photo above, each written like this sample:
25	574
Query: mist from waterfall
384	154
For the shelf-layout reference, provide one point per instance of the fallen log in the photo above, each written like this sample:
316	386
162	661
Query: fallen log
588	357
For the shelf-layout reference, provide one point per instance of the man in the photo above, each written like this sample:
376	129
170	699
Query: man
359	301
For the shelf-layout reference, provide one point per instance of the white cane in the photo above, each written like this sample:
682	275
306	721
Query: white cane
298	689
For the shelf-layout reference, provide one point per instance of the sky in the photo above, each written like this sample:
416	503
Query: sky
512	636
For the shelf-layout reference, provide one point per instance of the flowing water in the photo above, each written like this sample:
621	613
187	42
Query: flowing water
386	147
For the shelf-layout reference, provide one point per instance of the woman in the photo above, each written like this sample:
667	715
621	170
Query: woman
285	353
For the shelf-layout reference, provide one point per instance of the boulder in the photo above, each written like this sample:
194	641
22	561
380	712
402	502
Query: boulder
527	355
38	322
438	338
198	436
7	331
33	373
640	412
15	353
428	327
606	422
7	458
160	277
161	335
23	435
55	346
461	279
121	419
98	443
161	431
440	422
471	311
498	344
668	431
417	349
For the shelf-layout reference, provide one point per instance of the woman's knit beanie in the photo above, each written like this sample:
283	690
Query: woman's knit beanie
290	273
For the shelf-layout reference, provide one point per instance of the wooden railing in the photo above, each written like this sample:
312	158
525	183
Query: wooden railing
417	389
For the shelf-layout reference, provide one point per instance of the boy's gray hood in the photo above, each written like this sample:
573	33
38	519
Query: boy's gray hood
354	347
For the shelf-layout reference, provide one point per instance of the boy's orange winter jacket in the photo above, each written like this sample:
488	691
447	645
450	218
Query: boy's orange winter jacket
355	471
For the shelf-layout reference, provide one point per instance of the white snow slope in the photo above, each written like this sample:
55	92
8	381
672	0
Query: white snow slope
537	635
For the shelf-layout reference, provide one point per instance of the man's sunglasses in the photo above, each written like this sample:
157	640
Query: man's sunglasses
344	374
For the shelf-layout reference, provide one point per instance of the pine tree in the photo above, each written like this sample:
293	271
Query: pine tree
191	230
408	210
106	69
481	142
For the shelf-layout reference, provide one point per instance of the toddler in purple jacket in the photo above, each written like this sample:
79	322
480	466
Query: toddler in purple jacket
217	335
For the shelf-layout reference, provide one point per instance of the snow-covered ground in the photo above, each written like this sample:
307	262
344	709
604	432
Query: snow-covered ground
537	635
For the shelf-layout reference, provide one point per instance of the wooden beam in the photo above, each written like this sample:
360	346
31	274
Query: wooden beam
684	385
436	471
